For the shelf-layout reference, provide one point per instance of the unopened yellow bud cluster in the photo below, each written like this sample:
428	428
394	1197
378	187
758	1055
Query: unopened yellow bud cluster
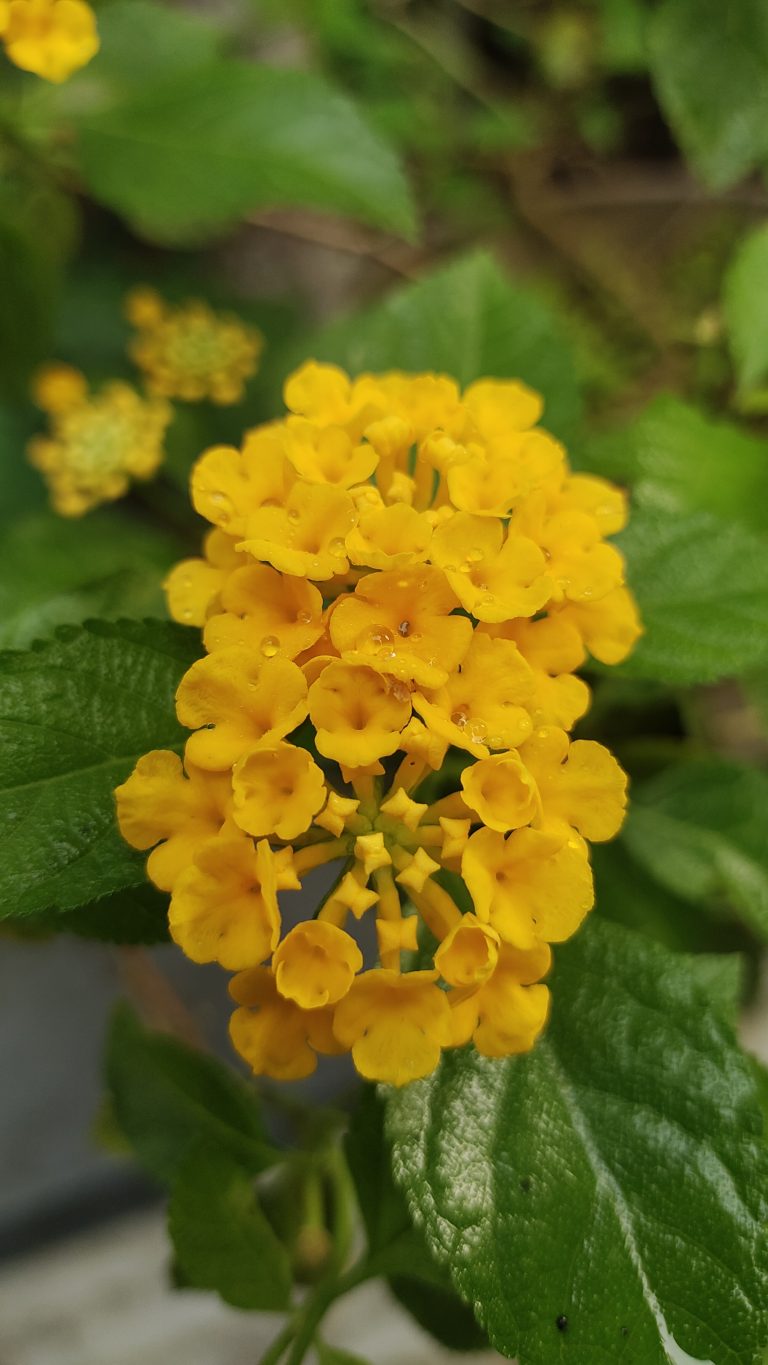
51	38
394	570
98	443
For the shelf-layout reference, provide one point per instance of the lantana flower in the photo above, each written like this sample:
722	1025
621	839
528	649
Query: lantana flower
190	352
51	38
399	585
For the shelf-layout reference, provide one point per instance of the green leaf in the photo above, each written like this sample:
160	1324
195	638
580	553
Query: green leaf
138	914
721	978
26	306
676	457
75	715
395	1246
167	1098
467	320
221	1237
627	893
709	63
699	830
602	1198
189	155
57	572
745	289
142	42
702	589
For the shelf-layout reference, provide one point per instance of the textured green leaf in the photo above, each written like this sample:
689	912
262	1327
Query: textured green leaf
602	1198
56	572
676	457
394	1244
467	320
709	62
221	1237
699	830
745	291
702	588
75	714
167	1098
192	153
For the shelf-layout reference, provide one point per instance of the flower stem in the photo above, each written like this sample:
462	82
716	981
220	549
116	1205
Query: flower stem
280	1344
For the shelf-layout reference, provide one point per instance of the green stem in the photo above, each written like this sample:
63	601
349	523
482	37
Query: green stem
279	1345
318	1303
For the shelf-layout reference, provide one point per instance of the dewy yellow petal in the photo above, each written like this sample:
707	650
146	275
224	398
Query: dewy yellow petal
238	699
581	785
158	804
357	714
502	791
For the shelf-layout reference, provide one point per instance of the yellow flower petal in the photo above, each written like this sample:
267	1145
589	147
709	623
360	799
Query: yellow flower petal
529	886
356	713
394	1024
306	536
228	485
390	537
483	705
159	803
468	955
267	612
278	789
239	699
400	623
502	791
224	907
495	579
316	964
581	784
272	1034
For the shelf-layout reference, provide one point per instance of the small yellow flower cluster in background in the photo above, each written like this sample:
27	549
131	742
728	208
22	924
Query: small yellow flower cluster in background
51	38
97	442
191	352
394	569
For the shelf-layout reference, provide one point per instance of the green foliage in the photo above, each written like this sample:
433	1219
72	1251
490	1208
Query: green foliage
699	830
59	572
677	458
702	588
745	290
76	714
141	42
331	1355
627	892
168	1099
467	320
186	156
617	1191
137	914
394	1244
710	66
37	231
221	1237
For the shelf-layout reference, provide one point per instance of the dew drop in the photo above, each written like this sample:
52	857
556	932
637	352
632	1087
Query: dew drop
294	515
380	635
269	646
304	617
475	555
460	717
187	614
477	731
338	548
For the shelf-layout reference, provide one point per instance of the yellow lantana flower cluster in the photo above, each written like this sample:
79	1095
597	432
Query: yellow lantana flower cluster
97	442
51	38
394	570
190	352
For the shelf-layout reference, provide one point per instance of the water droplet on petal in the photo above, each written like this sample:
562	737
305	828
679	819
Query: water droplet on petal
270	646
304	618
460	717
338	548
294	515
